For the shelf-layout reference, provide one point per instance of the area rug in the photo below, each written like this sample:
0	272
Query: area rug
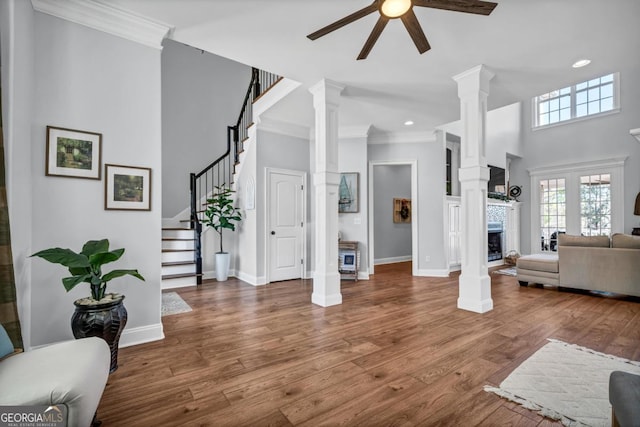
565	382
511	271
172	303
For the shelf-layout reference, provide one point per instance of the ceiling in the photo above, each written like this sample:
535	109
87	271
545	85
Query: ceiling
529	44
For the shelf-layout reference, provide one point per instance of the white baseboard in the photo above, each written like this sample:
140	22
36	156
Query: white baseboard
141	335
252	280
392	260
362	275
433	273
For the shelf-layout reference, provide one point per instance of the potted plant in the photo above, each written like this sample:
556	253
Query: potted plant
220	214
102	314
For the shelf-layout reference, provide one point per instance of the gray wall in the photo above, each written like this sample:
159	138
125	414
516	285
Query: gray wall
202	94
393	239
88	80
592	139
352	157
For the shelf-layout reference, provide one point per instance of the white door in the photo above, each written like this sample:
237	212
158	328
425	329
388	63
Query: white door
285	224
454	234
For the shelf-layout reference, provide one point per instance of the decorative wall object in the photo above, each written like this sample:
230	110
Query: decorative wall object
402	211
73	153
349	192
250	194
127	188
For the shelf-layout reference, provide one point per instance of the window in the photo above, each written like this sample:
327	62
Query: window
553	220
595	205
579	199
596	96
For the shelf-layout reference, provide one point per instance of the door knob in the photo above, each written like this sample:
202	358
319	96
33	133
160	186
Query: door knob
273	233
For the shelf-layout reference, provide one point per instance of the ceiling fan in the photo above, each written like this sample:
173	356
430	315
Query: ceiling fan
403	9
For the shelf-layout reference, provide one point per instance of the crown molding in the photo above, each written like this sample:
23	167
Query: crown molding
354	132
266	124
635	133
401	137
108	19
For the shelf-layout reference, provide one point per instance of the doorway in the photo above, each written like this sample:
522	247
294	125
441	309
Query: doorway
393	183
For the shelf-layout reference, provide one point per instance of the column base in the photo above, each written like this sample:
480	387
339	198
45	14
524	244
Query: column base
326	300
475	293
326	289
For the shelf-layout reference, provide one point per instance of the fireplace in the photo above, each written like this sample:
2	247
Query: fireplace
494	241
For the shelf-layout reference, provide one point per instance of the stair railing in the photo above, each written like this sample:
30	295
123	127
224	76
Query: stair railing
219	174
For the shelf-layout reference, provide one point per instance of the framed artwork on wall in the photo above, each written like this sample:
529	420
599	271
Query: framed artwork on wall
349	192
73	153
402	211
127	188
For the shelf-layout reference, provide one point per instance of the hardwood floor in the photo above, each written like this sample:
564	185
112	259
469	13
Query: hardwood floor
397	352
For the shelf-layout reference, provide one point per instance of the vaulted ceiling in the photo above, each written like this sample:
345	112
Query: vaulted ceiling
529	44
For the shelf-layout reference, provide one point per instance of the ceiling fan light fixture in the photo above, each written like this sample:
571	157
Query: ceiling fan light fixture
395	8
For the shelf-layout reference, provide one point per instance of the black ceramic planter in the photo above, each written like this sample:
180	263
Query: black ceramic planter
106	321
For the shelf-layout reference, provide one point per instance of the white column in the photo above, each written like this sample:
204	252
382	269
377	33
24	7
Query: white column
326	279
474	283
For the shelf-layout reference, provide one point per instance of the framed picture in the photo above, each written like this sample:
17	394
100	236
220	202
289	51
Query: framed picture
127	188
402	211
349	192
73	153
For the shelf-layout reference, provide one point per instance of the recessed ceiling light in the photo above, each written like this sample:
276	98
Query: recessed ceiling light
581	63
408	123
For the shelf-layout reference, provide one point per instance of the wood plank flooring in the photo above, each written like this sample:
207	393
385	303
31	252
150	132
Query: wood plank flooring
397	352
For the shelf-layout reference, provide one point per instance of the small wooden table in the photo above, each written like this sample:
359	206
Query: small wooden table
349	259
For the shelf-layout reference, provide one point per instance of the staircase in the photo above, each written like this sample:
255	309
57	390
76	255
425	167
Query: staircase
181	242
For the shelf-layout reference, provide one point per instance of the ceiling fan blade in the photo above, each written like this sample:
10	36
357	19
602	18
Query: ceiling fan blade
412	25
344	21
373	37
470	6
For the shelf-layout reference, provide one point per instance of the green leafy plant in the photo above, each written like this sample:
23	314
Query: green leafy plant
86	266
220	212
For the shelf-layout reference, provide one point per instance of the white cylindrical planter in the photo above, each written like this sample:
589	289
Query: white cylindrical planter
222	266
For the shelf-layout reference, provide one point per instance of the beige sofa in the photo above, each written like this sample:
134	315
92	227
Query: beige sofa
593	263
70	373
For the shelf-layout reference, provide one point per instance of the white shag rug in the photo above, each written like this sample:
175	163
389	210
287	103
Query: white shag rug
172	303
511	271
565	382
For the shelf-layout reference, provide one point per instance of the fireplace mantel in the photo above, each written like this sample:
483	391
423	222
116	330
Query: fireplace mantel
635	133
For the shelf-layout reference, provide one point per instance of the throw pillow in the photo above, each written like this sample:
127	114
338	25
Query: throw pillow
619	240
6	346
586	241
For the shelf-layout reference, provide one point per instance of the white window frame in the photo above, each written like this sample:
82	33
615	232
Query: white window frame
535	105
572	173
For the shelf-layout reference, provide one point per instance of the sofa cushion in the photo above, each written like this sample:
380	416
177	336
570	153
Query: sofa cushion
6	346
584	241
624	396
619	240
539	262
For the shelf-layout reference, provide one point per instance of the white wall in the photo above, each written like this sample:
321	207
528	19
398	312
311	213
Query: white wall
17	50
503	133
597	138
352	157
88	80
391	181
246	266
202	94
